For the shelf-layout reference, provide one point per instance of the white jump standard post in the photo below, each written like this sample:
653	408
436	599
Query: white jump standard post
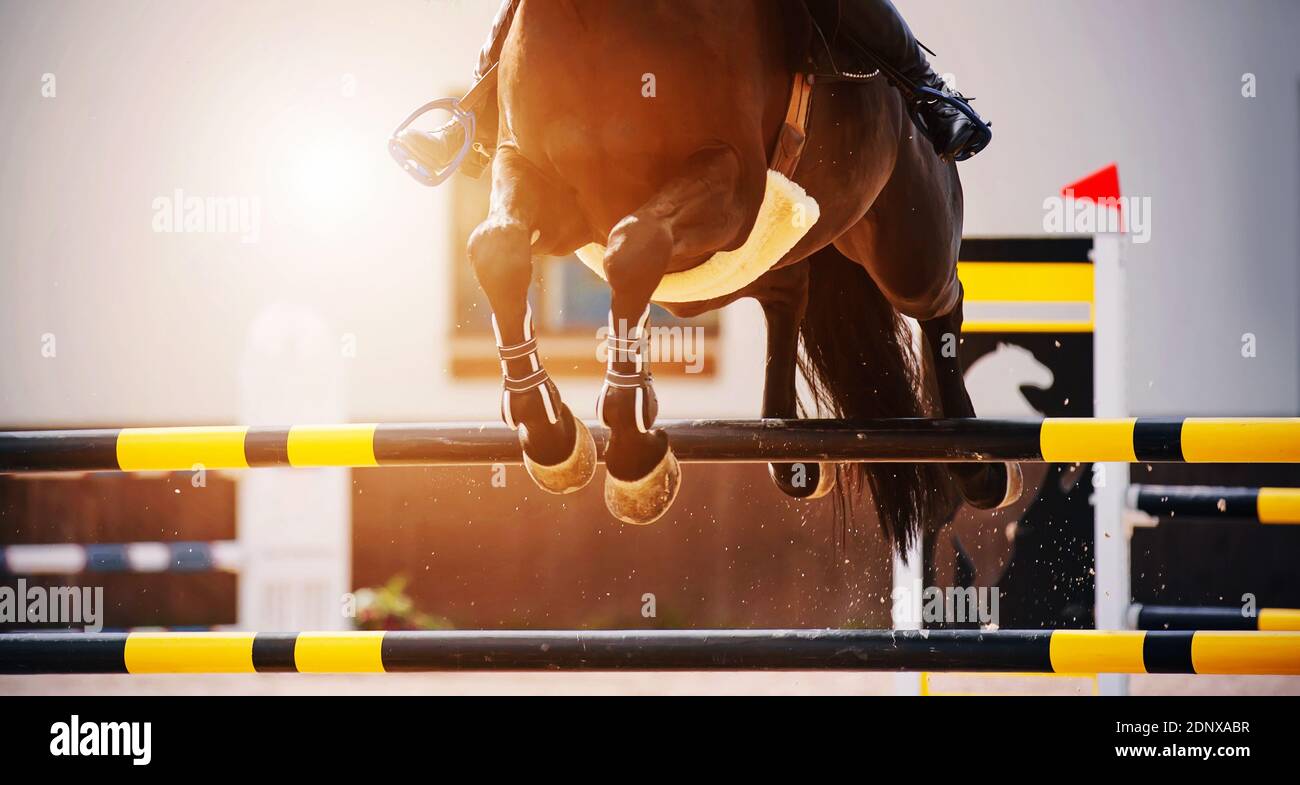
1110	480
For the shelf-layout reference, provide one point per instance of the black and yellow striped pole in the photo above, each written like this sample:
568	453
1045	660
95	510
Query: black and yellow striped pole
1045	651
1178	617
1257	505
1055	440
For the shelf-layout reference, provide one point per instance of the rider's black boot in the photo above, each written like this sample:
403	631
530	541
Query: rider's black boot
948	120
943	115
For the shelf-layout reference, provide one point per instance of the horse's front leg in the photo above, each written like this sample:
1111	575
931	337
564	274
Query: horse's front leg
696	214
559	452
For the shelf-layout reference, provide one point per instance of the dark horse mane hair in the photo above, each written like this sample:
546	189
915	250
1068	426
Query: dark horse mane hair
858	360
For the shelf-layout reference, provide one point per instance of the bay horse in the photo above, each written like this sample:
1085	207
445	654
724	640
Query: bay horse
664	179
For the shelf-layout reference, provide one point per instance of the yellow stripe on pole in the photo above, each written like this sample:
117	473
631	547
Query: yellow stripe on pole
1279	619
1045	282
1257	653
181	449
339	652
1069	440
1226	440
198	652
1091	651
332	445
1278	505
982	326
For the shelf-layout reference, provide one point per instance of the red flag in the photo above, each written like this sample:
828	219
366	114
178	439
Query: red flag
1102	184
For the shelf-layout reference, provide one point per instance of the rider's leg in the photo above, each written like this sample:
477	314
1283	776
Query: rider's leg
437	148
949	122
491	51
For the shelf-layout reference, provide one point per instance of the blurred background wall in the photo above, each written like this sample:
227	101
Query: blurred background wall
290	103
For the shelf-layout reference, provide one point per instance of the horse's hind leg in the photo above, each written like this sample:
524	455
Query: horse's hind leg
983	485
559	452
698	213
783	294
908	242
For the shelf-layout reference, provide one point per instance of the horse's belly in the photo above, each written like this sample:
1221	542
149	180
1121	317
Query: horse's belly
615	157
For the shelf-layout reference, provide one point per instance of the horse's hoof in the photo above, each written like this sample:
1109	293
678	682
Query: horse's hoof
574	472
783	475
1015	485
645	500
990	486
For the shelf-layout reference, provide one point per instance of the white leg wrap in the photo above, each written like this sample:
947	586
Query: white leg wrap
622	348
536	378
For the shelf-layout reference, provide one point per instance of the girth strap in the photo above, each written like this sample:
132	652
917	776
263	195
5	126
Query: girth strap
791	141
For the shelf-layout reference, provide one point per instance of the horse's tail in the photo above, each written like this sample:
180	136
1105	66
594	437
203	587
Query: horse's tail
859	362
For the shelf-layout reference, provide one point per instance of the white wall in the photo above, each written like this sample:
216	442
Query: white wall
253	99
1156	86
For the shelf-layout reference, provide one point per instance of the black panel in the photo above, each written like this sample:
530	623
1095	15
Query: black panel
1048	580
1055	249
